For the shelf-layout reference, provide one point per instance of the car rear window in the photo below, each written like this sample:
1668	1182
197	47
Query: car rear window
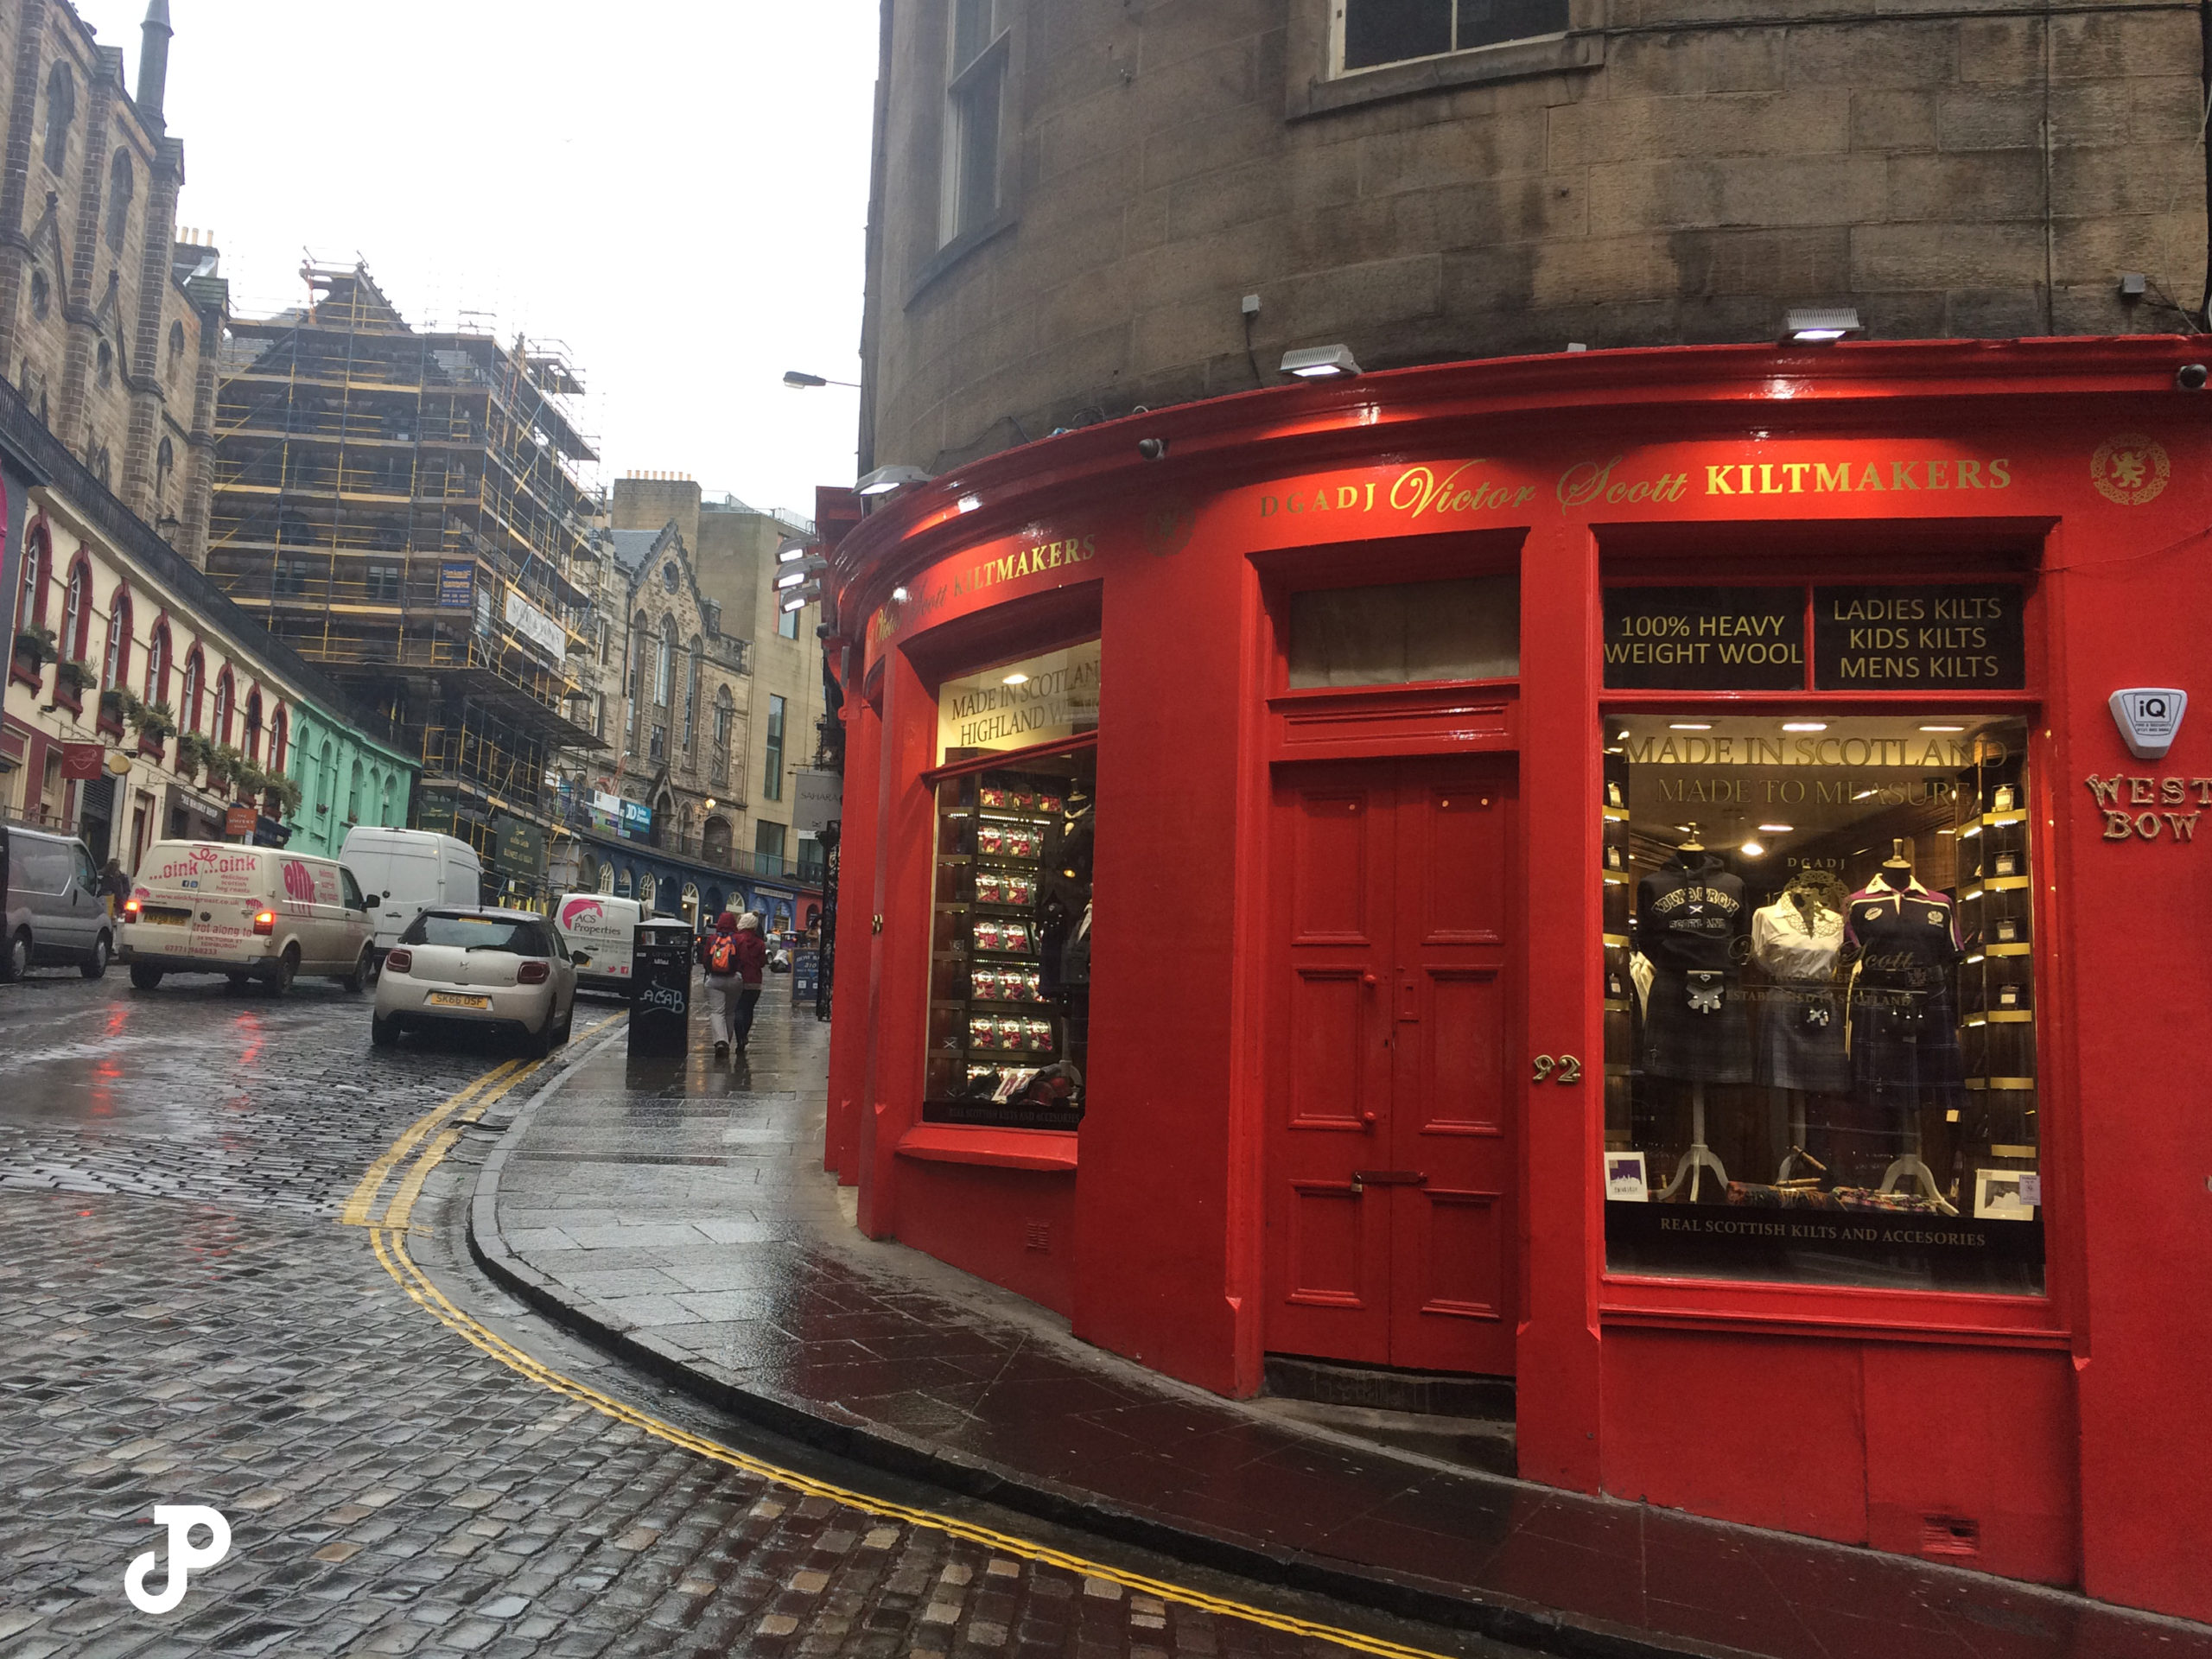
478	934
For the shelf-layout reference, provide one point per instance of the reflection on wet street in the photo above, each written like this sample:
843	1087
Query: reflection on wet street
188	1320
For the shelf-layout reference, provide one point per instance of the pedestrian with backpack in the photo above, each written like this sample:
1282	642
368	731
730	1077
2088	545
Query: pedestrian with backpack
734	956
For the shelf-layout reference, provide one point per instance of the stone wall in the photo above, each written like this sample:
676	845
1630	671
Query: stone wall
1681	179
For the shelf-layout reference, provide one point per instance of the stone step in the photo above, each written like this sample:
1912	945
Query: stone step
1433	1393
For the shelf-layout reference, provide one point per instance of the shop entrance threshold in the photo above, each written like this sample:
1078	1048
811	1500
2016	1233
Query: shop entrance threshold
1456	1418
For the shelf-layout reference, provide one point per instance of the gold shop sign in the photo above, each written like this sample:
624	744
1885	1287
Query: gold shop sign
2137	808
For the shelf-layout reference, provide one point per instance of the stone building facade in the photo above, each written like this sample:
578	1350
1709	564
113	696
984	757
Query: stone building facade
1069	217
734	549
110	324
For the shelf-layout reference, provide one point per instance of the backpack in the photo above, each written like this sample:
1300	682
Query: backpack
722	954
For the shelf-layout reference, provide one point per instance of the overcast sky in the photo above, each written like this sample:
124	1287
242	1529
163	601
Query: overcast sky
676	188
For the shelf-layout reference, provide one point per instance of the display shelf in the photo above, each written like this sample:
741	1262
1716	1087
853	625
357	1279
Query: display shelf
1620	939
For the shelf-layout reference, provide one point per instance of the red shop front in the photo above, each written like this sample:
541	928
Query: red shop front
1672	876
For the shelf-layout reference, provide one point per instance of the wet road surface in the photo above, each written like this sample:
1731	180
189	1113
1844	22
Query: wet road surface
409	1462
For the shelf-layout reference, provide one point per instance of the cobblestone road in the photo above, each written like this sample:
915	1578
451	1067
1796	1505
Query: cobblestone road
187	1321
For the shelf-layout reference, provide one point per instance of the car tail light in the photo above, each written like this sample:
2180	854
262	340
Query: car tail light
130	910
265	923
533	973
399	962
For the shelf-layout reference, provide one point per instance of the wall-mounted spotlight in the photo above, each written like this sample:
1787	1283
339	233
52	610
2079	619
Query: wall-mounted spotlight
1152	448
1820	325
884	479
791	550
796	574
1319	362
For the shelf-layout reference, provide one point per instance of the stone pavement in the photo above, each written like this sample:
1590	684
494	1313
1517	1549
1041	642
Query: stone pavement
184	1319
676	1213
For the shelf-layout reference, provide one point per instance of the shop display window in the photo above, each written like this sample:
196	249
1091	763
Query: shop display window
1010	944
1819	992
1010	925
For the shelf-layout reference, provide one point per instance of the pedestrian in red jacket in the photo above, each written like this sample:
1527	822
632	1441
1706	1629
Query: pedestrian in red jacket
735	954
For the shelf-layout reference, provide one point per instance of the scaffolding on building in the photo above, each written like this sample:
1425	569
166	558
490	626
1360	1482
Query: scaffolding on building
408	508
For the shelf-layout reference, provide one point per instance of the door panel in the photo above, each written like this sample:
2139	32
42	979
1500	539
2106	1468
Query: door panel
1329	1074
1334	1081
1390	1156
1452	1235
1458	1057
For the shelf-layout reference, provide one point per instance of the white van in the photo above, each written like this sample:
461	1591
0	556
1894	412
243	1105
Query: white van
412	870
599	930
249	912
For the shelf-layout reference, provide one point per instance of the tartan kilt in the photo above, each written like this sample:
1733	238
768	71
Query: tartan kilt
1679	1041
1796	1052
1904	1040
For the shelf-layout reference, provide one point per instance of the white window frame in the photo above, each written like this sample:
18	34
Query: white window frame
965	85
1316	83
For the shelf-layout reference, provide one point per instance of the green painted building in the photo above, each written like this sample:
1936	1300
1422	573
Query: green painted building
344	778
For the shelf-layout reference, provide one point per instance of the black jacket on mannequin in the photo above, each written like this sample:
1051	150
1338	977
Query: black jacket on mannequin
1688	916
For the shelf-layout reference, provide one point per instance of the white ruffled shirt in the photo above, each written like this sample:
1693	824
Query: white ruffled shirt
1794	947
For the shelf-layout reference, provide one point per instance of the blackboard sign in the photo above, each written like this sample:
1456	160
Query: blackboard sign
1705	638
1896	637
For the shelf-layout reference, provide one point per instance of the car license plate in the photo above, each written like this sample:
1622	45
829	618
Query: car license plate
165	917
455	999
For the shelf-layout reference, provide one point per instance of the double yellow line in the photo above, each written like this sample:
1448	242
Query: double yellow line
433	1135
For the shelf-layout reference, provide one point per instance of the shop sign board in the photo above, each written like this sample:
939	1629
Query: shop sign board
535	625
434	812
819	799
637	820
1705	638
83	762
1038	700
1900	637
240	820
518	847
606	812
456	585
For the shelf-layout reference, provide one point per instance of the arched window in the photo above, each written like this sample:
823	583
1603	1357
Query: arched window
607	878
157	665
391	801
224	691
164	464
188	705
42	301
115	662
692	694
38	571
664	667
76	612
640	667
280	732
104	373
326	778
122	184
61	111
354	795
103	468
253	726
177	359
647	887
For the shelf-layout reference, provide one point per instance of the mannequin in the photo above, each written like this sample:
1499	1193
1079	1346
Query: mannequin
1798	941
1904	1036
1689	914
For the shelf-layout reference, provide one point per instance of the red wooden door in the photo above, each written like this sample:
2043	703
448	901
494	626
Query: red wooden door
1390	1169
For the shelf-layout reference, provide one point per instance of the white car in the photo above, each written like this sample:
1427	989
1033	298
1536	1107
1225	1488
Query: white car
468	965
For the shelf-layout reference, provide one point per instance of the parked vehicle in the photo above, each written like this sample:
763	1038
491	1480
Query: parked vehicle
599	930
506	969
412	868
247	912
56	915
